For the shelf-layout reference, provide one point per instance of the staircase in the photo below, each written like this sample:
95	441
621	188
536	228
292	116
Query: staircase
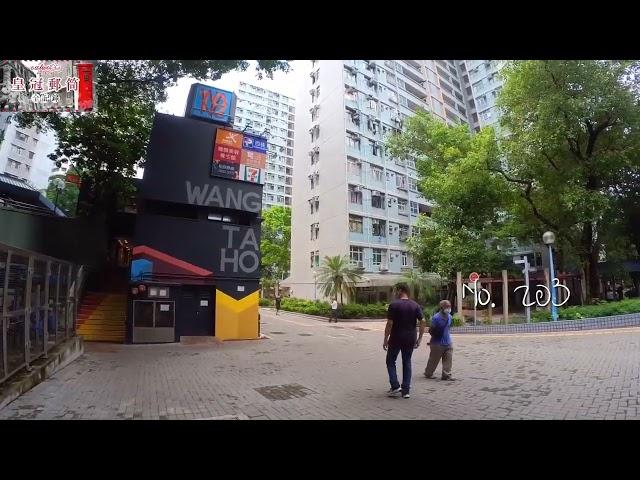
102	317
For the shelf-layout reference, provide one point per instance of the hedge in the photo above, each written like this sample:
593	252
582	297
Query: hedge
323	309
601	309
347	311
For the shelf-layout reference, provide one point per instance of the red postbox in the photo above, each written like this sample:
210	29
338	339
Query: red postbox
85	86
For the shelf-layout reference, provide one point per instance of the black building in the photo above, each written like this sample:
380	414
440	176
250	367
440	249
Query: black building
196	253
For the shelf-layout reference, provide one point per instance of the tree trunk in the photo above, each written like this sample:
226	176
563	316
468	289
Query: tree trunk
590	260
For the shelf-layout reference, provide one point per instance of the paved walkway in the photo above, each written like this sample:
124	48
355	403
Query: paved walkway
314	370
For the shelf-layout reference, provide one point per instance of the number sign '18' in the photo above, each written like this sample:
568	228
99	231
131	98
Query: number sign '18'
211	103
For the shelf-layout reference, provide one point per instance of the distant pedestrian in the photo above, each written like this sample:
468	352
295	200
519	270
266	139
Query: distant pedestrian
620	291
400	335
278	302
334	311
441	346
609	293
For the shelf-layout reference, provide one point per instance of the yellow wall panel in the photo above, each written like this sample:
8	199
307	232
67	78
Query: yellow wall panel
237	319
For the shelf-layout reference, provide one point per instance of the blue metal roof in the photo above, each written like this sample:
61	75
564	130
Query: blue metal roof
15	181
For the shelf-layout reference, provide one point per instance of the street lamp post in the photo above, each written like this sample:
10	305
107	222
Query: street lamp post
549	238
59	185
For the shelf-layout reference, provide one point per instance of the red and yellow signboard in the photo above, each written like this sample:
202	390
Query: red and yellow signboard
239	156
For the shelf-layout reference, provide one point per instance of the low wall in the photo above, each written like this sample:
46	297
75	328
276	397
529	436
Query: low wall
58	358
614	321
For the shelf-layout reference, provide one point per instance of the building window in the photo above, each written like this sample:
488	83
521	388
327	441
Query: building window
315	180
313	258
377	256
355	195
355	224
15	149
401	181
405	259
377	200
356	256
377	173
354	167
403	233
372	105
353	142
21	136
317	258
315	231
414	208
413	184
378	227
314	204
402	206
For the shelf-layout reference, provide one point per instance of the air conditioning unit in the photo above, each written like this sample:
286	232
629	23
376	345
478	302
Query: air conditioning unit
384	267
359	264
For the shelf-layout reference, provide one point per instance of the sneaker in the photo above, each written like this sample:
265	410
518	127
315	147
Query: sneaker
449	378
394	392
406	395
428	376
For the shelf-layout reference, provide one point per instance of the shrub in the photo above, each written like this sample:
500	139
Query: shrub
266	302
321	308
457	321
600	309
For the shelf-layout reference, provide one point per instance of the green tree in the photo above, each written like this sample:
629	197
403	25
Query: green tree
571	147
422	285
336	277
275	244
109	144
469	201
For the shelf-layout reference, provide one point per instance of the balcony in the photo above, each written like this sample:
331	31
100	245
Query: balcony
377	240
413	75
350	79
357	237
351	102
355	177
353	151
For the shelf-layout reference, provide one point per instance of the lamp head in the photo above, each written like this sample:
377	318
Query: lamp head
549	238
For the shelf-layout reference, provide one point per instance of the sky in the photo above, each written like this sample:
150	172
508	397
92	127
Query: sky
283	83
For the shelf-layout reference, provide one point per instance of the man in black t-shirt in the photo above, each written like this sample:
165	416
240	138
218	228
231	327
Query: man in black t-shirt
400	335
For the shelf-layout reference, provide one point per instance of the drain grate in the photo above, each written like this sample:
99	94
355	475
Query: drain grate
277	333
284	392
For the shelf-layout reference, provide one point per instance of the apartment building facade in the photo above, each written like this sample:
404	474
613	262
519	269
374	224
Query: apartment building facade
486	84
352	198
24	152
264	111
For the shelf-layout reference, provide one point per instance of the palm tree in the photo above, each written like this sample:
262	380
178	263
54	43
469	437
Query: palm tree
336	275
422	285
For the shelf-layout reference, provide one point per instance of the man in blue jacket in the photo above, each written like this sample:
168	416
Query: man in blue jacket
441	345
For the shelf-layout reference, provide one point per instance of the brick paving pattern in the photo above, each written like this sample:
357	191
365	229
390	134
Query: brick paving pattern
309	369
